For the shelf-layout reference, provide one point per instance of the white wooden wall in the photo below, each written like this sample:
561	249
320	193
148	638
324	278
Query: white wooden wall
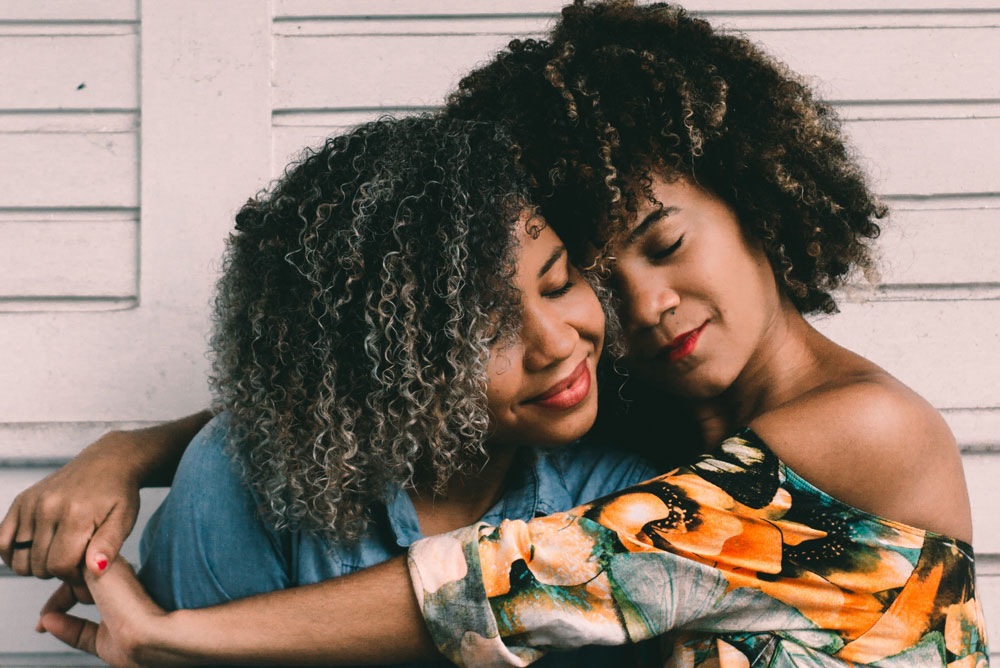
130	137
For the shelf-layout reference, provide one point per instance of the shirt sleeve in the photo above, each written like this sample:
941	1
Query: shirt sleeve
675	552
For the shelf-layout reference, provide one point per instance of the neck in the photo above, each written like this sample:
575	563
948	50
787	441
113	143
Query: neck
465	498
784	364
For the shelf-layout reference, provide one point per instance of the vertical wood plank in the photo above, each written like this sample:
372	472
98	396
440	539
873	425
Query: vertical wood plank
206	124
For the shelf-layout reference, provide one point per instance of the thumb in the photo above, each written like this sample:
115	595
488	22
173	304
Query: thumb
119	595
106	542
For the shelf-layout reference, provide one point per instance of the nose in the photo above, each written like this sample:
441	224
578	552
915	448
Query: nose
646	301
548	338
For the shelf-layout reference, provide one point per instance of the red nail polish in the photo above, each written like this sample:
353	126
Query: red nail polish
102	564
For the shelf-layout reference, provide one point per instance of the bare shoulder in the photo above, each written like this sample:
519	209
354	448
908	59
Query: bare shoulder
872	442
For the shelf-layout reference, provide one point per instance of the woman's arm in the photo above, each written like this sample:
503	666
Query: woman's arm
91	503
734	544
367	617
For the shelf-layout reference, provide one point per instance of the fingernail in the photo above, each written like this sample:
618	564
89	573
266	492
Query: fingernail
102	562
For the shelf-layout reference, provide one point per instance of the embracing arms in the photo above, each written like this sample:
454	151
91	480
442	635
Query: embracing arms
367	617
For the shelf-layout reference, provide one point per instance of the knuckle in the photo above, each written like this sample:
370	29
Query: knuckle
65	569
75	508
50	505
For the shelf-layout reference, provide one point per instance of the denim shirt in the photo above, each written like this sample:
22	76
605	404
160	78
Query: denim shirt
206	543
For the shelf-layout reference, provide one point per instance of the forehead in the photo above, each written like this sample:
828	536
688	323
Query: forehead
657	203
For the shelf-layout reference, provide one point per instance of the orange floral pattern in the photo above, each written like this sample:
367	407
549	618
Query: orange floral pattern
743	562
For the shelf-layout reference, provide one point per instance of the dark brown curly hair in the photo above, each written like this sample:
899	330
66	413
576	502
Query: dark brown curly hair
619	91
354	318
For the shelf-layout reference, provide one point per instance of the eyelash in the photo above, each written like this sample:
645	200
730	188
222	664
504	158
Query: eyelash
559	292
667	252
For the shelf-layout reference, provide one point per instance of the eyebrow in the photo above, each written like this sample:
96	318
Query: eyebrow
652	217
556	254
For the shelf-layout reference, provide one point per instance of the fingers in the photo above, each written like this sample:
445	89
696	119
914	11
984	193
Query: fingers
67	548
20	561
41	541
7	528
74	631
62	599
107	540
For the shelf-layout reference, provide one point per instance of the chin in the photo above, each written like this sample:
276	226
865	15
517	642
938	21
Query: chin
696	385
564	431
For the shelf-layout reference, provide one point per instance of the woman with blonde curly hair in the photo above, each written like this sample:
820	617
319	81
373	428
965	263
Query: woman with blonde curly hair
825	522
399	337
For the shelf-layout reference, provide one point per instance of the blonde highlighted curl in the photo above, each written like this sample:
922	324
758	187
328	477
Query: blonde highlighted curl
354	319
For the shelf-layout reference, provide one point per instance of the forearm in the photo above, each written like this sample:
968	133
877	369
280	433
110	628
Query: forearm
367	617
154	452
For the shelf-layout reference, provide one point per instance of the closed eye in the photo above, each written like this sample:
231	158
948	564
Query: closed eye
560	291
668	251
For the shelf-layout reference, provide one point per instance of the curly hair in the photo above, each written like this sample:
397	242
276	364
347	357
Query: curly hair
355	315
620	91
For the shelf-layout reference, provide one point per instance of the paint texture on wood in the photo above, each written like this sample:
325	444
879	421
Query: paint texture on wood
69	259
60	71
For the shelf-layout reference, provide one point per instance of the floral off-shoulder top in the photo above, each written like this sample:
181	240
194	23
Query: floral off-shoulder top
739	559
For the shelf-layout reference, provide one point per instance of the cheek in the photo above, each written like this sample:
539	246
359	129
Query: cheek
503	382
590	318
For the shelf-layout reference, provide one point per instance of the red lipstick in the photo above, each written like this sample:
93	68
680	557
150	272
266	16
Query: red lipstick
568	392
684	344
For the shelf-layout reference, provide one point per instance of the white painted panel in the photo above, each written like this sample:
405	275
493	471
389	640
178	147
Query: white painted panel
69	71
905	156
205	144
51	441
981	474
70	659
315	8
69	170
139	364
975	428
374	71
930	156
407	70
949	352
988	587
539	24
61	10
78	259
940	246
891	64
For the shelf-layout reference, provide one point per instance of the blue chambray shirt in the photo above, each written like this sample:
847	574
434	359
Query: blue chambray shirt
206	544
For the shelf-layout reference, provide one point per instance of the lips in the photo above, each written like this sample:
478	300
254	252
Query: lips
683	345
568	392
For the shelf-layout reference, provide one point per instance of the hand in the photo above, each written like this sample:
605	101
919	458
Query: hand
131	623
89	505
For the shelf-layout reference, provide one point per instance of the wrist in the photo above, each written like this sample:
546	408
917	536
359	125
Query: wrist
172	640
122	452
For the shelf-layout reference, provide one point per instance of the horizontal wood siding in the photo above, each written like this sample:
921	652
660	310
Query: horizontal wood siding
122	173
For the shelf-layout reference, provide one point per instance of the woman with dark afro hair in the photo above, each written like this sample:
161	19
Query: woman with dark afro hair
824	519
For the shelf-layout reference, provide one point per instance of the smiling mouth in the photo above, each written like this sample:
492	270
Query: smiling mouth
683	345
568	392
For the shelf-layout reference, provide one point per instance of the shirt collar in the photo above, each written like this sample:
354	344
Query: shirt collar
534	487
